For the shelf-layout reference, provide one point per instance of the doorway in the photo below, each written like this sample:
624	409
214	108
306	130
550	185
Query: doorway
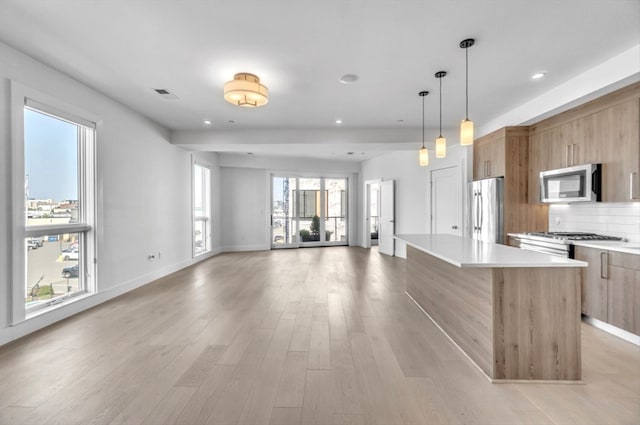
446	201
308	211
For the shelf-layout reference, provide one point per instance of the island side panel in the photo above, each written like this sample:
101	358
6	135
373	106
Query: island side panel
537	324
458	300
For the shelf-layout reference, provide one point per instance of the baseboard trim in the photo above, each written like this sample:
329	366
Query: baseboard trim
613	330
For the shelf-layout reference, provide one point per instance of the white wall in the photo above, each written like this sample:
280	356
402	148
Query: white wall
412	196
138	171
244	209
246	186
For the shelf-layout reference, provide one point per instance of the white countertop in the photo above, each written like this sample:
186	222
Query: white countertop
626	247
465	252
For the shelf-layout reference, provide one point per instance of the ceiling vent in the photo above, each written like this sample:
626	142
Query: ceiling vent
165	93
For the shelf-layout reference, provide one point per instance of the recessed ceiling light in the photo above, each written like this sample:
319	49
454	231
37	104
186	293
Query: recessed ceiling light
400	121
231	121
538	75
348	78
207	122
349	153
338	121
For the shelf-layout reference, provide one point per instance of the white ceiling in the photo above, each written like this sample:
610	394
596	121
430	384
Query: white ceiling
300	49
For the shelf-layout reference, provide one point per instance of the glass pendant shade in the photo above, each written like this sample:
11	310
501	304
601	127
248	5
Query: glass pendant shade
424	156
441	147
466	132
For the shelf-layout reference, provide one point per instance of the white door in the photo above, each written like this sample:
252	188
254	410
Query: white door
446	201
387	218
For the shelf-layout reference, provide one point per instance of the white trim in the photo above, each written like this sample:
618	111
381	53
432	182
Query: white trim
24	97
613	330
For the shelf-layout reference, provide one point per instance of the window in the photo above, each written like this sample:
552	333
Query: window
58	182
201	209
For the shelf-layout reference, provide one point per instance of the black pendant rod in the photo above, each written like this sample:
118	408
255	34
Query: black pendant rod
423	94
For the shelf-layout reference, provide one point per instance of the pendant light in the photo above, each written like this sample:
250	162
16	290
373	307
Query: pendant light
466	126
424	152
441	142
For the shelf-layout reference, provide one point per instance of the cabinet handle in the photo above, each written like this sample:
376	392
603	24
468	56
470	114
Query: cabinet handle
566	155
488	168
604	265
573	154
633	189
485	168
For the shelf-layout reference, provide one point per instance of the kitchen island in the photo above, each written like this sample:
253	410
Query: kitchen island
514	313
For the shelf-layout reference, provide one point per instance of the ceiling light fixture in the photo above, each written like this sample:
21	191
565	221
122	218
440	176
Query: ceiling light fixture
245	90
537	75
348	78
423	156
466	126
338	121
207	122
441	142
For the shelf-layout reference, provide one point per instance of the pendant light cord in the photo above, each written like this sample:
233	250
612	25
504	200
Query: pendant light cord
422	122
466	54
440	106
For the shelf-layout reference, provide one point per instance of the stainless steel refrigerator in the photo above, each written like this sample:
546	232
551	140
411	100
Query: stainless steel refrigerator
486	199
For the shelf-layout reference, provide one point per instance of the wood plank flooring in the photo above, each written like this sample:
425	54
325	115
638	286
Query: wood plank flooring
309	336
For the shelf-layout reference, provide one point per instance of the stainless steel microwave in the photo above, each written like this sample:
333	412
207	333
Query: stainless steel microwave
574	184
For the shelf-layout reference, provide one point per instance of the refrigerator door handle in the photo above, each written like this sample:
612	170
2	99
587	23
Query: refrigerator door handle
481	203
476	204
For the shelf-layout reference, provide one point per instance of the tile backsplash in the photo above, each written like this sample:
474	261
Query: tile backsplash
614	219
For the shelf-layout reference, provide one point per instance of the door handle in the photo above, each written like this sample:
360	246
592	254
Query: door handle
481	211
391	221
604	265
633	186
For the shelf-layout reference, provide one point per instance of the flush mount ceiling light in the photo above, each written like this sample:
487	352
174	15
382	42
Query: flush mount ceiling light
537	75
423	156
441	142
466	126
245	90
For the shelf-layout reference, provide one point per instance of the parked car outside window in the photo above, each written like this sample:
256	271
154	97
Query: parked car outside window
69	272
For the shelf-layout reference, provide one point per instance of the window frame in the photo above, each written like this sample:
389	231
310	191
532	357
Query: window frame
22	98
206	219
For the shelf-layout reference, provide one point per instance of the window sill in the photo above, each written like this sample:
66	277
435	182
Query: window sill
66	302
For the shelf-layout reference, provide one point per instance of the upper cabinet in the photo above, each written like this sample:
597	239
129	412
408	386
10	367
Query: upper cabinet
489	155
605	130
504	153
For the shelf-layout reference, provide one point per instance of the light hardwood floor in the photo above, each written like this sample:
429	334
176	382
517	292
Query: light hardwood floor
310	336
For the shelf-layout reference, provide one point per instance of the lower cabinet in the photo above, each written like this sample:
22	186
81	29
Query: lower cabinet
611	287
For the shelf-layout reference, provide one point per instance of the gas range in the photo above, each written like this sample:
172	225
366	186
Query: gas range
558	243
574	236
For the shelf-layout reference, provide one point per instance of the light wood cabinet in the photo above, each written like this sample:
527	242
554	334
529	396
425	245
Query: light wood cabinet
624	291
611	287
505	153
489	156
619	128
605	130
593	282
